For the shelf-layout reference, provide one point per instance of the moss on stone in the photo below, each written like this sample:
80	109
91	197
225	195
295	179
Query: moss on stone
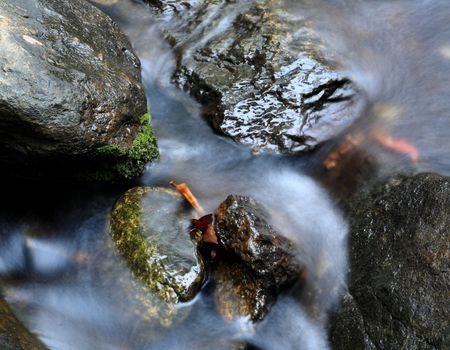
129	163
150	226
129	235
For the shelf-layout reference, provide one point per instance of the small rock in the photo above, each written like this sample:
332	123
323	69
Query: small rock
242	228
239	293
261	263
151	229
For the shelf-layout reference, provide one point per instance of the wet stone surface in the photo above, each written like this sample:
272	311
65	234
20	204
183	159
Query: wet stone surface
254	68
13	335
242	229
72	104
400	277
151	229
240	293
260	262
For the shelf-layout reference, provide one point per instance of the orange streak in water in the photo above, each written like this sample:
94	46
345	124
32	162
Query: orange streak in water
397	144
184	190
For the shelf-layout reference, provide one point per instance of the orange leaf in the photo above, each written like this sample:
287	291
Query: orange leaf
184	190
397	144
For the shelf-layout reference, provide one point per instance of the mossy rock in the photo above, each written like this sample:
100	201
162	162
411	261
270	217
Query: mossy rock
151	227
127	163
77	110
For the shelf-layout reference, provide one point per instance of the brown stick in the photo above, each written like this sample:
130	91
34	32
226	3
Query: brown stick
184	190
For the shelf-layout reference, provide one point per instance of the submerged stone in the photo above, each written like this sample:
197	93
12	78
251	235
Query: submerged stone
13	335
151	229
400	277
259	264
256	69
72	104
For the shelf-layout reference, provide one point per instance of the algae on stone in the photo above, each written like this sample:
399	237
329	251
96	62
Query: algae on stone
151	229
130	162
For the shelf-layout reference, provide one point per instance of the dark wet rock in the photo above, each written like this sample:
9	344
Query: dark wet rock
151	229
71	99
242	228
254	68
348	331
261	263
400	275
241	293
13	335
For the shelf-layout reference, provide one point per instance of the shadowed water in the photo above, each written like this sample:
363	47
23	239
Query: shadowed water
59	267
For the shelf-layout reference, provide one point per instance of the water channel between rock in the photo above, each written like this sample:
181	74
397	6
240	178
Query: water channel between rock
68	284
66	275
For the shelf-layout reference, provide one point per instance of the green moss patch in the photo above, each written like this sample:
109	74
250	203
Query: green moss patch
129	234
130	163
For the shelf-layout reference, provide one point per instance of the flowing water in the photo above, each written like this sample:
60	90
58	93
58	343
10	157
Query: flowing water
58	265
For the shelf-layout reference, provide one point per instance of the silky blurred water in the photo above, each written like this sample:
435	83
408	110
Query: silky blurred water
58	266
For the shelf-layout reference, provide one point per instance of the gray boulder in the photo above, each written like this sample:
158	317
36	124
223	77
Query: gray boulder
254	68
400	276
71	99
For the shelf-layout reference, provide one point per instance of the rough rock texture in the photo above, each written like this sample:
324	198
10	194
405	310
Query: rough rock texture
254	68
400	272
261	263
151	229
240	293
13	335
242	228
71	99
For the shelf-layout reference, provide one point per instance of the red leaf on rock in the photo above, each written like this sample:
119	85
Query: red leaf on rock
205	224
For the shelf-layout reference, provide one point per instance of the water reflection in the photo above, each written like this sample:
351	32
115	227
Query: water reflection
397	54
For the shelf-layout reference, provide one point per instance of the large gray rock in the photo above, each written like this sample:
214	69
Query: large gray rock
254	68
400	275
71	98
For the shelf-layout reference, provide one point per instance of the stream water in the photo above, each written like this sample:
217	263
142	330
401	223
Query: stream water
60	270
